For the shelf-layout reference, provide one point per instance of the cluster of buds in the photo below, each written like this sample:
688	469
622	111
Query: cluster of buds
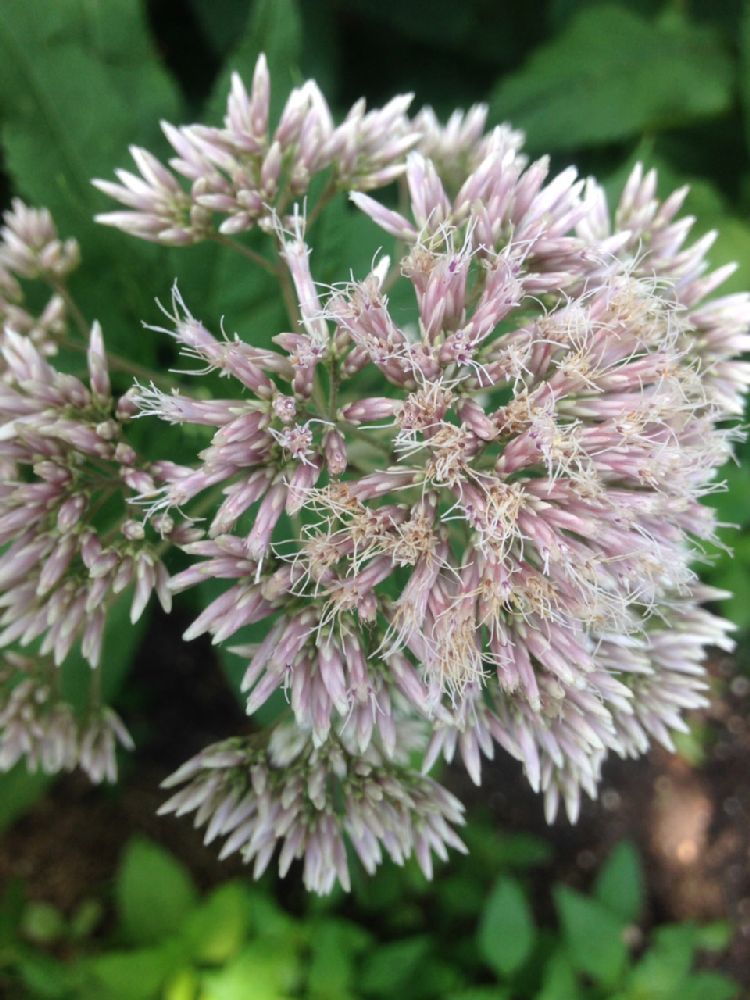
68	554
307	798
30	250
40	727
469	524
245	172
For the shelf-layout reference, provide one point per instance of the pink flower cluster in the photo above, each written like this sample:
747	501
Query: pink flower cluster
244	171
469	523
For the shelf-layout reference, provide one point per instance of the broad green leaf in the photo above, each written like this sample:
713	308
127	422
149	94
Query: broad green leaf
708	986
223	21
183	985
745	69
45	977
130	975
69	115
154	893
217	928
42	923
594	936
506	930
667	962
716	936
388	970
335	945
619	885
559	981
262	971
493	851
274	28
612	74
19	790
480	993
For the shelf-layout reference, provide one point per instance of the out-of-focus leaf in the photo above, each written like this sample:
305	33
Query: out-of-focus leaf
335	945
713	937
19	790
619	885
274	27
666	963
261	971
119	646
730	572
708	986
154	893
492	851
68	116
612	74
559	982
223	21
217	928
745	69
42	923
130	975
506	931
480	993
388	970
45	977
183	985
594	936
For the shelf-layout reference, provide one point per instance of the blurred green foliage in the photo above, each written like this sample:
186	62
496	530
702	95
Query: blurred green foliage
405	938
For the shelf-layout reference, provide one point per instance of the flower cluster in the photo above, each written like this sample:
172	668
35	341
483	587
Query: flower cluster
468	523
31	250
63	449
39	726
244	171
306	797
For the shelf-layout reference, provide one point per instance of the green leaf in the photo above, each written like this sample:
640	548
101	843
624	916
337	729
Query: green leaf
593	935
98	86
218	927
335	945
506	930
619	885
708	986
745	69
262	971
480	993
45	977
69	116
666	964
183	985
130	975
274	28
42	923
612	74
154	893
559	981
716	936
387	971
19	790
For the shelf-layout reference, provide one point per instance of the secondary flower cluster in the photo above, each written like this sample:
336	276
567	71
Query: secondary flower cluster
39	726
62	448
307	798
244	170
30	250
465	523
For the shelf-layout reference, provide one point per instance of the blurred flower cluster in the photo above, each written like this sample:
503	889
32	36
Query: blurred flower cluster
467	524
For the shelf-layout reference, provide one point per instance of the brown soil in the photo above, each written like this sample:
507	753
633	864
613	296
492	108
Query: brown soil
691	823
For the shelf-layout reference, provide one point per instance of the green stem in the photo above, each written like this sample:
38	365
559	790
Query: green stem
246	251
